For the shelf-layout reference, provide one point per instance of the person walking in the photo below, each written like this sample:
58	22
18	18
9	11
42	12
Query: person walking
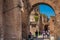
43	34
36	33
29	36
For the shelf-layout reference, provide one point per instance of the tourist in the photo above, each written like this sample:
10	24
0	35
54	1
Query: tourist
48	34
43	33
36	33
29	36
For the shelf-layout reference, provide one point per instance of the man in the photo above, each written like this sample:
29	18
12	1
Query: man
36	33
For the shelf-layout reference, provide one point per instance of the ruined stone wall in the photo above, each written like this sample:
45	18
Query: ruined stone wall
51	26
1	19
11	20
11	17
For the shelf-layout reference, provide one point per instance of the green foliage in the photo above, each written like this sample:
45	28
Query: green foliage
36	18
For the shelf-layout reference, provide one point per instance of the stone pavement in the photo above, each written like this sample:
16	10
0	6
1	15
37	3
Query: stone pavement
40	39
45	38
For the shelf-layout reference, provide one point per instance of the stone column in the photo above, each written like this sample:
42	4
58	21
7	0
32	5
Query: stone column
12	20
25	27
25	20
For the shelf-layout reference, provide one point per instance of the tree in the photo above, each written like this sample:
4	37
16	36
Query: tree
36	18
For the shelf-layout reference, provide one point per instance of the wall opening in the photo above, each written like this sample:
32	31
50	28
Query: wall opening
44	14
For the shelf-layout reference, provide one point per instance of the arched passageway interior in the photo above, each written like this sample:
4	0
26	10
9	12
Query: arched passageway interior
42	19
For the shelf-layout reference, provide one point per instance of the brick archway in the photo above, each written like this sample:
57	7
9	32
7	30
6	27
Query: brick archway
37	4
53	5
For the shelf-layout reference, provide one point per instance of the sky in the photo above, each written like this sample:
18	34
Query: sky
47	10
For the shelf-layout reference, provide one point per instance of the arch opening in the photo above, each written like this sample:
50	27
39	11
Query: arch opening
44	21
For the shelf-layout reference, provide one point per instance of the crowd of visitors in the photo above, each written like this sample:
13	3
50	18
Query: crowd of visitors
37	33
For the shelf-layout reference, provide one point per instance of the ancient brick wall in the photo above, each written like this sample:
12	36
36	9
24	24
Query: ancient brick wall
11	20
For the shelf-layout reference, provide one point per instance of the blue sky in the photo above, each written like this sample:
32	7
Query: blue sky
47	10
